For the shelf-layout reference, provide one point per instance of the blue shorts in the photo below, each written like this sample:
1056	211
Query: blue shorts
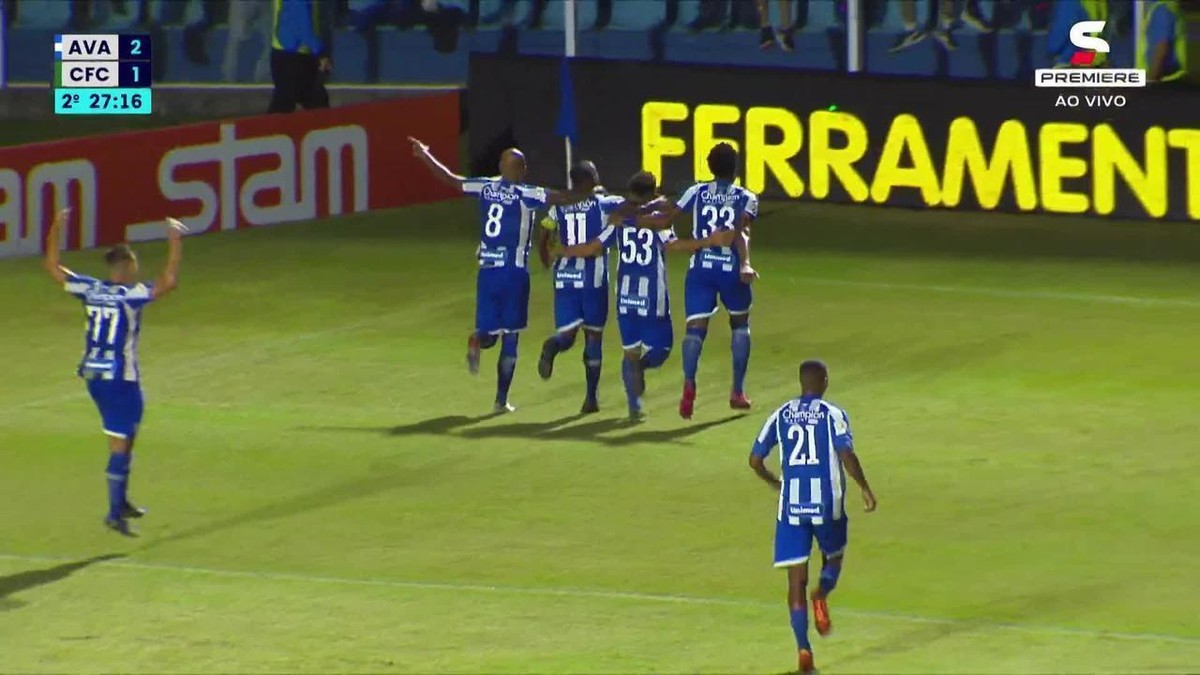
646	332
120	405
703	287
793	543
575	307
501	300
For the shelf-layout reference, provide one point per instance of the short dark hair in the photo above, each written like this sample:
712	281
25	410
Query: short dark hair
643	184
584	172
121	253
813	368
722	161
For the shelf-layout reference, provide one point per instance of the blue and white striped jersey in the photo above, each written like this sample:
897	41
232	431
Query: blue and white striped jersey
810	432
114	321
642	271
579	224
506	210
714	207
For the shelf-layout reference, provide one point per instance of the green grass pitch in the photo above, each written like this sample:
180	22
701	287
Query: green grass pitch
326	496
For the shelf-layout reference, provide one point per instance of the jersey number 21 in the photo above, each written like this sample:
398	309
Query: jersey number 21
805	451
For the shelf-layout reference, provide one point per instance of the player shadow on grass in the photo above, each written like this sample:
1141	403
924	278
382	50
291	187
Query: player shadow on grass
23	581
1003	614
594	432
562	429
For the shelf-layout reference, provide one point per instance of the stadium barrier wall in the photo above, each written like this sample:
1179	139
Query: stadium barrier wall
827	136
216	176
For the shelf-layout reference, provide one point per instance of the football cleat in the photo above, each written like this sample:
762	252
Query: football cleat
119	525
131	511
766	38
806	663
687	403
944	38
590	406
821	618
546	362
738	401
473	354
502	407
787	40
907	40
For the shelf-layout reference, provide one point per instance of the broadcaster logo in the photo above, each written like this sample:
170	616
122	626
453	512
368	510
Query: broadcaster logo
1083	36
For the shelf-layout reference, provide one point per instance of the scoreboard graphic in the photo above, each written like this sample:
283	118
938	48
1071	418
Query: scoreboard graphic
102	75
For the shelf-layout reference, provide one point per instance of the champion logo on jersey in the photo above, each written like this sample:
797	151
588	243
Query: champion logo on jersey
795	414
712	197
579	207
508	194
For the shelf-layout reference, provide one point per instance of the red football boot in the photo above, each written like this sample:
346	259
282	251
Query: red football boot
738	401
688	403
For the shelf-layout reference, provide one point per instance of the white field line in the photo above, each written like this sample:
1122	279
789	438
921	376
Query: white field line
1032	629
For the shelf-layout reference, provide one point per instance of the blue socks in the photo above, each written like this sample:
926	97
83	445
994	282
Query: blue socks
829	578
592	358
800	627
740	344
508	344
117	473
628	376
486	340
506	366
693	344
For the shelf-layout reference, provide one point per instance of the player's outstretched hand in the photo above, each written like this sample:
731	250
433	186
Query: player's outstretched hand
175	229
419	148
869	502
748	274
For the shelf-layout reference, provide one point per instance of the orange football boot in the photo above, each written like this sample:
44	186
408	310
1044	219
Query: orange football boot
821	618
806	663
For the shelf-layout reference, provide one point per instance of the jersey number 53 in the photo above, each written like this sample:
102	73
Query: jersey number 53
638	248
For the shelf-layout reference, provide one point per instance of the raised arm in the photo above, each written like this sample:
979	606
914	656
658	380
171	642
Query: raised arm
545	240
588	249
421	152
660	219
168	279
53	243
854	468
720	238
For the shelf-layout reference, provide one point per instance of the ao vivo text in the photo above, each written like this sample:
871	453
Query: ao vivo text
1090	101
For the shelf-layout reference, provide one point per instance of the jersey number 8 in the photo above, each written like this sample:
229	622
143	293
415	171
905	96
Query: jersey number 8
638	252
491	228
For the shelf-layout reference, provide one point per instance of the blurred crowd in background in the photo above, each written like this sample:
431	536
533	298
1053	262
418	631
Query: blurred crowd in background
1006	38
